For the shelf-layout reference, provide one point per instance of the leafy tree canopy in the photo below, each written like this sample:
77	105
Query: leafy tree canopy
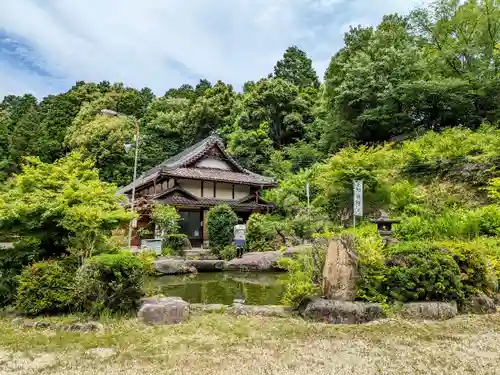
64	204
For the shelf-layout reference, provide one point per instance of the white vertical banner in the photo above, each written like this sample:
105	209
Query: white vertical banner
358	197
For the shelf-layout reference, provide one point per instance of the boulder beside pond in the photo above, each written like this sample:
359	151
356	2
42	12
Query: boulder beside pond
255	261
340	312
429	310
172	267
163	310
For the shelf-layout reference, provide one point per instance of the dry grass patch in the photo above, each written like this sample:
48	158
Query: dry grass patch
219	344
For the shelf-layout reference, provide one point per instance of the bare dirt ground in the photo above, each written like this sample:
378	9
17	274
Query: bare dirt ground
217	344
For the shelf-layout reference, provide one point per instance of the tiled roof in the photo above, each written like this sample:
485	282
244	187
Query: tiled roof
208	202
218	175
178	166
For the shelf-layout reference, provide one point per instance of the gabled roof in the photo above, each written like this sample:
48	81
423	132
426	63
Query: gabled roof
181	166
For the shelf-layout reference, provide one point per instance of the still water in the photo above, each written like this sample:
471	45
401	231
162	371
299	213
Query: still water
222	287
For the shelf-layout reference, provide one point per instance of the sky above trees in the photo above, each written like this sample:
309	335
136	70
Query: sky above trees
45	46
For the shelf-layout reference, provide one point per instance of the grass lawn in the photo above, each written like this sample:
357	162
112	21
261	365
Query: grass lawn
219	344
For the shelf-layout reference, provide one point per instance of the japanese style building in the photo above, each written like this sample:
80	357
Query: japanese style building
194	180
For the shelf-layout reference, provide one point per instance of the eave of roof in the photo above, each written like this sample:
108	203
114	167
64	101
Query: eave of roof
210	202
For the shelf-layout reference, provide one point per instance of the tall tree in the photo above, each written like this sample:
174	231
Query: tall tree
279	104
163	130
296	68
210	111
252	148
463	38
360	95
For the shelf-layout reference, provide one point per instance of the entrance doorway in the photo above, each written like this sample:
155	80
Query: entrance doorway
191	226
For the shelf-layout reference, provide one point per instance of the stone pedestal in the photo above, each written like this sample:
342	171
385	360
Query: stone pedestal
340	271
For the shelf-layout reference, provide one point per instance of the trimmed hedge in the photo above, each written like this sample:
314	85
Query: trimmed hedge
45	287
110	282
425	271
421	274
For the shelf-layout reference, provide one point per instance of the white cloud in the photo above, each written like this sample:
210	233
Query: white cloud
165	43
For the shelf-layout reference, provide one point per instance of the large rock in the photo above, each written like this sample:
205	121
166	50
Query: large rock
340	271
496	299
172	267
257	261
340	312
429	310
480	304
164	310
203	265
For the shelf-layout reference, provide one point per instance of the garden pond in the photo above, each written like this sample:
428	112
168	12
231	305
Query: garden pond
256	288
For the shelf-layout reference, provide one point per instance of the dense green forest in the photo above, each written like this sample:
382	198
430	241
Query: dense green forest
411	107
435	68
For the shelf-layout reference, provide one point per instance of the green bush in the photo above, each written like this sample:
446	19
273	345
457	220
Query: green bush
221	220
110	282
417	271
263	232
147	259
304	275
228	252
166	218
452	223
45	287
175	242
12	262
476	273
304	224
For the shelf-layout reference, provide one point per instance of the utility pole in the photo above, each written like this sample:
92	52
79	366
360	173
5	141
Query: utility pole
136	123
109	112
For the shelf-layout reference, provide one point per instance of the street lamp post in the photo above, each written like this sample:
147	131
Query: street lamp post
109	112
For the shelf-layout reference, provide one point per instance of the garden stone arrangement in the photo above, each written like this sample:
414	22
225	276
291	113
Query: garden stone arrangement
338	306
253	261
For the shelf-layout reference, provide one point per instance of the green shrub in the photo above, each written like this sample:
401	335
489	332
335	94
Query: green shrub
175	242
304	275
263	232
452	223
417	271
221	220
228	252
12	262
45	287
475	272
110	282
304	224
166	218
147	259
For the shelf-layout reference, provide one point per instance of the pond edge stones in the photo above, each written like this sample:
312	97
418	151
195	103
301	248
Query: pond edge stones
163	310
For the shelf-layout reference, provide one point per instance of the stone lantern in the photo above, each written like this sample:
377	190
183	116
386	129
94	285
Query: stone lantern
384	227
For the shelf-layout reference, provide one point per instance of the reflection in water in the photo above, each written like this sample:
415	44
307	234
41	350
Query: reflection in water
222	287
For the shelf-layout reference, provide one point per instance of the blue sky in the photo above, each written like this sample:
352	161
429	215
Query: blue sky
48	45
